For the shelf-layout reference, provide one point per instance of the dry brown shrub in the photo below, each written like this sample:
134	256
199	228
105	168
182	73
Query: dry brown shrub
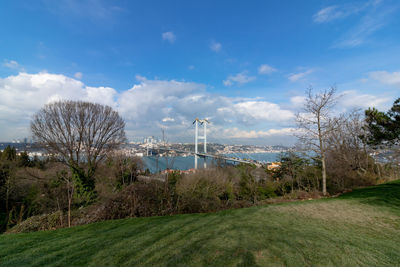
136	200
207	190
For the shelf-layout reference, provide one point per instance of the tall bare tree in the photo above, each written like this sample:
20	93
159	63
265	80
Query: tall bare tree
346	141
315	122
348	161
80	133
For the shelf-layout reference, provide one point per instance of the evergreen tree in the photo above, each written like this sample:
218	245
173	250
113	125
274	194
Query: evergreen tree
383	128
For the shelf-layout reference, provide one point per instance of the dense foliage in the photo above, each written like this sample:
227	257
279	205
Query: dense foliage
383	127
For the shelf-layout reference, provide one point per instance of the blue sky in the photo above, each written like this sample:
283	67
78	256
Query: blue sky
243	64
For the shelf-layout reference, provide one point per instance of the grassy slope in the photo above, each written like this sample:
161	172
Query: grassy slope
359	228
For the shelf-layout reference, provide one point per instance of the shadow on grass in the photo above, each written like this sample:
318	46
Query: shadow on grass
248	259
387	194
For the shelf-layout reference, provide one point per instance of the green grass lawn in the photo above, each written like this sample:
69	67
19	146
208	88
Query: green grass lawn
359	228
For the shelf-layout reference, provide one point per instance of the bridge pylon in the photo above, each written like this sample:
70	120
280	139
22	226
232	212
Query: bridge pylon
197	137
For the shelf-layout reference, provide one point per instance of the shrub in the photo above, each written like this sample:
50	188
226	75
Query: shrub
207	190
266	189
50	221
136	200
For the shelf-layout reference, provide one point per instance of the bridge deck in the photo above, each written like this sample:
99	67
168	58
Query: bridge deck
212	156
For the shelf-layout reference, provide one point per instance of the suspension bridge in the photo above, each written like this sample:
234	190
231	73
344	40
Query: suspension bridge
200	122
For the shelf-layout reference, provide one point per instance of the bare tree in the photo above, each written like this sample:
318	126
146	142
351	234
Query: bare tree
127	168
346	140
80	133
315	123
66	178
346	151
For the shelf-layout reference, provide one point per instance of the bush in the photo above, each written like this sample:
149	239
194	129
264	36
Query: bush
266	190
206	190
50	221
136	200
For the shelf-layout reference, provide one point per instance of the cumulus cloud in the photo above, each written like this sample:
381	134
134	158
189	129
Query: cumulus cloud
266	69
385	77
154	104
251	112
297	101
297	76
352	99
24	94
215	46
168	36
349	100
146	107
252	134
240	78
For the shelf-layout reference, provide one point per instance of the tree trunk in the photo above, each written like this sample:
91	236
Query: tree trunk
323	175
322	150
7	194
61	212
70	188
69	212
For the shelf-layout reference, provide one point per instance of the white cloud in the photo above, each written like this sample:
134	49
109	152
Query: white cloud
266	69
103	95
244	134
78	75
168	119
152	104
352	99
374	18
359	34
297	101
390	78
140	78
331	13
328	14
253	111
297	76
12	64
146	107
191	67
349	100
216	47
168	36
240	78
24	94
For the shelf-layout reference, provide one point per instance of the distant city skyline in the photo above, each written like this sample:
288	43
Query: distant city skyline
244	66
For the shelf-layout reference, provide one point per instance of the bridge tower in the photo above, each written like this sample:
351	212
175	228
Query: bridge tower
149	145
197	137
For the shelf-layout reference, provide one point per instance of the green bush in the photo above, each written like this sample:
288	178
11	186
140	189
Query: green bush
266	190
